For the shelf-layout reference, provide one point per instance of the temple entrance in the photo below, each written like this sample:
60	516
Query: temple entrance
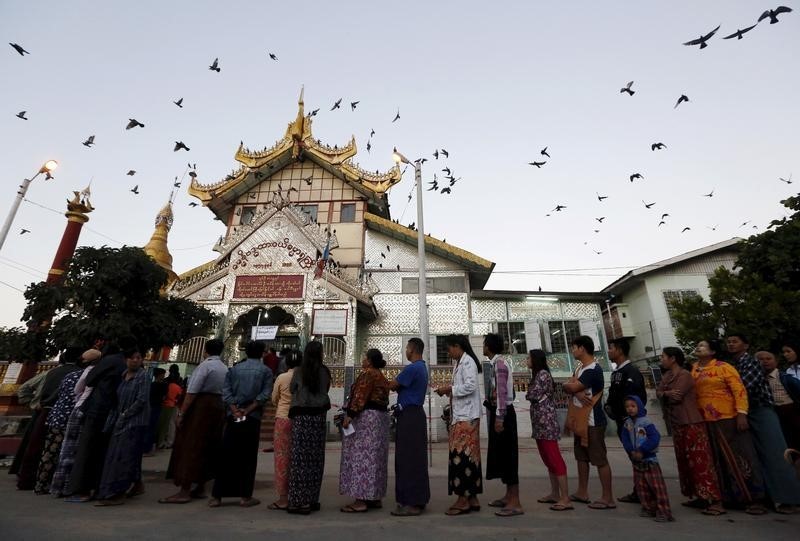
288	331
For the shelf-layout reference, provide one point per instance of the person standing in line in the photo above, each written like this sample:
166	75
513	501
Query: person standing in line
310	404
127	425
282	400
365	452
588	422
201	420
464	473
248	385
502	456
791	350
169	409
640	438
626	380
782	487
29	393
693	453
412	488
158	391
546	430
786	393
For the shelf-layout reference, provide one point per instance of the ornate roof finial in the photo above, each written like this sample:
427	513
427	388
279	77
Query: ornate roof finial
298	124
157	247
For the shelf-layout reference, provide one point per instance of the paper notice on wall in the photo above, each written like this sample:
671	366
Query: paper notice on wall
12	373
588	327
533	335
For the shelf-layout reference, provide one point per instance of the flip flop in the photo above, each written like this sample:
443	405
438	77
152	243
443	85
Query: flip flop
252	502
406	511
456	511
601	505
350	509
214	502
78	499
561	507
275	507
508	512
547	500
713	512
574	498
497	503
173	499
109	502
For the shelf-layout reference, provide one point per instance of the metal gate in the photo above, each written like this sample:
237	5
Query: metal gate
335	350
192	351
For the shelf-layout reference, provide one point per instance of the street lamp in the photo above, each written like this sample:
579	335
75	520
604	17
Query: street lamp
48	167
423	286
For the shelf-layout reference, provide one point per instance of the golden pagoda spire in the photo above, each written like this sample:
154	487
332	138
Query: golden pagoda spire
298	125
157	247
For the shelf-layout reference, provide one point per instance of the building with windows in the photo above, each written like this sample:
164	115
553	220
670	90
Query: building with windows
639	304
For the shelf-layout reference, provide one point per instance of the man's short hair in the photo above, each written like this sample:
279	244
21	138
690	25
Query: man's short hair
740	335
254	349
417	345
494	342
584	342
214	346
622	344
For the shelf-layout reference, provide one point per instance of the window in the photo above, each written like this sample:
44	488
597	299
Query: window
311	210
513	333
348	213
437	346
674	296
248	213
561	334
439	284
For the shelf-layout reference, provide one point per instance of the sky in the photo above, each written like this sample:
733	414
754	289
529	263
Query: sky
492	83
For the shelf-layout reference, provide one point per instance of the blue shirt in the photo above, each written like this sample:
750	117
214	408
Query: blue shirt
591	377
413	382
247	381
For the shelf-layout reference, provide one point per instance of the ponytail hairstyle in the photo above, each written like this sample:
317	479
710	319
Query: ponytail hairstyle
461	341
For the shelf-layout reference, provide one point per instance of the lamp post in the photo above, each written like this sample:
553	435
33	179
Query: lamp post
47	168
423	286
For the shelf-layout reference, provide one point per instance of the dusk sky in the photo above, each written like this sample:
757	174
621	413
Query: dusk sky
492	83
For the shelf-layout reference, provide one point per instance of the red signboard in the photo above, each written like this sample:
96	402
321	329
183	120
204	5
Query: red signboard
269	286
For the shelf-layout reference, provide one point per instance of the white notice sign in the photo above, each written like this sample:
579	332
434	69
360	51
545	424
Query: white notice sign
12	373
533	335
330	322
264	332
588	328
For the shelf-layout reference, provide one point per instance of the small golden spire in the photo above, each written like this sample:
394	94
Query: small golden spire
157	248
298	125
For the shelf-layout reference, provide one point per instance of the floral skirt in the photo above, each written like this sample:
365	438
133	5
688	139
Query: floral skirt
308	459
738	468
49	460
282	445
695	459
365	457
464	476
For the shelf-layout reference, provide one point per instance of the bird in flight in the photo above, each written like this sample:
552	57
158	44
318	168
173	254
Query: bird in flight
709	194
434	185
713	228
597	252
179	145
23	231
600	219
627	88
446	170
337	104
89	141
662	222
685	229
131	172
701	41
135	190
369	145
215	65
314	112
789	181
682	99
397	116
371	133
308	180
445	153
192	204
635	176
771	13
176	183
739	33
657	146
559	208
273	56
601	197
179	102
537	164
744	223
21	115
665	215
353	105
445	190
19	49
544	152
648	205
133	123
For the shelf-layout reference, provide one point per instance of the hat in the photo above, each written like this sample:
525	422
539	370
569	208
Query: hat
91	355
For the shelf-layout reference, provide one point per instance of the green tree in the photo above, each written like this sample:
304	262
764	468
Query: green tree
760	297
112	292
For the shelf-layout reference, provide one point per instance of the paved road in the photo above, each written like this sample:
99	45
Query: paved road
24	515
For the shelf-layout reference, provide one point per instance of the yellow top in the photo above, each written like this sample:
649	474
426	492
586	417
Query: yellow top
720	391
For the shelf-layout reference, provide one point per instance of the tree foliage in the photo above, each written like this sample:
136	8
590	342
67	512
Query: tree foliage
112	292
760	297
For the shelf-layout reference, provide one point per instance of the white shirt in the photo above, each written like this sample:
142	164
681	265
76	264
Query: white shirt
794	370
466	393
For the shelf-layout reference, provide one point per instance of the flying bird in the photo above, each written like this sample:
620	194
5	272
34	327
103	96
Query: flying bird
337	104
194	175
786	181
648	205
744	223
685	229
600	219
192	204
21	115
559	208
314	112
662	222
179	102
598	253
369	145
627	88
179	145
537	164
353	105
445	153
771	13
133	123
371	133
446	170
445	190
635	176
436	153
709	194
713	228
657	146
131	172
273	56
176	183
89	141
739	33
215	65
397	116
19	49
135	190
543	152
665	215
682	99
309	180
701	41
601	197
23	231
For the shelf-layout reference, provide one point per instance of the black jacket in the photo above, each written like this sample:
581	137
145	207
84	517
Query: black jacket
624	382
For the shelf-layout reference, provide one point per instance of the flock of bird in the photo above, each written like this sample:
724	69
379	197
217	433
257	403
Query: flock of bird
702	41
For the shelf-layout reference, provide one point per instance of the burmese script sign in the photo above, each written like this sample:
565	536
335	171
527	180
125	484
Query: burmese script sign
269	286
331	322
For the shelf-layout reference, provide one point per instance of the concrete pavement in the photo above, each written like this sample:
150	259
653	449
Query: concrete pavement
24	515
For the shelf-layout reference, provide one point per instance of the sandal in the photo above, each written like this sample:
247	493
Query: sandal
174	499
497	503
456	511
756	509
214	502
350	509
574	498
275	507
601	505
713	511
547	500
305	510
509	512
250	502
785	509
406	511
561	507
